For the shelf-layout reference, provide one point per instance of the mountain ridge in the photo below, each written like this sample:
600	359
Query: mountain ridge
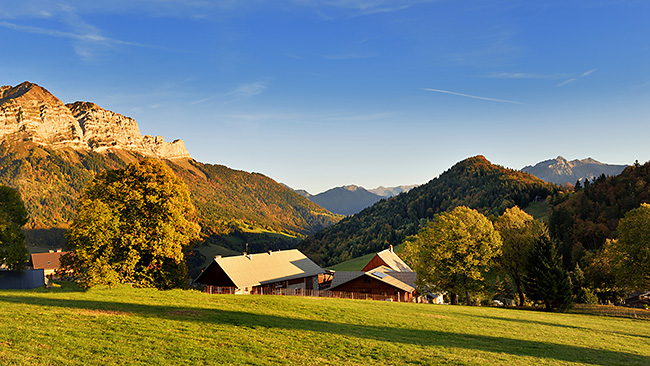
562	171
49	151
473	182
30	112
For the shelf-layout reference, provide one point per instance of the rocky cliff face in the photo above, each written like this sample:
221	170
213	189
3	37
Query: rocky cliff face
30	112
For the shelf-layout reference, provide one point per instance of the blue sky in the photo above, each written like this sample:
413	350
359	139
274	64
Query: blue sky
318	94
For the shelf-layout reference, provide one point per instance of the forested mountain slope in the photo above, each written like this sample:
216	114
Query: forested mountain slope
473	182
583	220
50	150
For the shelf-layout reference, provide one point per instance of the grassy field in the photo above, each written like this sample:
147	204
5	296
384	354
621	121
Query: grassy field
66	326
354	264
539	210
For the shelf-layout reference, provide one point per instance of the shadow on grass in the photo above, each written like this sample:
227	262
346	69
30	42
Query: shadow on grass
549	324
418	337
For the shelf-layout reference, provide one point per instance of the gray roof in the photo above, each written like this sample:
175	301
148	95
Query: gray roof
262	268
383	274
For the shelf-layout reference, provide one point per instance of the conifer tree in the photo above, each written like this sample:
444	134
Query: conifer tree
546	280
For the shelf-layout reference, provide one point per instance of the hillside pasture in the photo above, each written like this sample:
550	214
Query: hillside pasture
67	326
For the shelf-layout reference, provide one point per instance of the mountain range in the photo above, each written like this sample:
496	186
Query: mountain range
49	150
473	182
351	199
562	171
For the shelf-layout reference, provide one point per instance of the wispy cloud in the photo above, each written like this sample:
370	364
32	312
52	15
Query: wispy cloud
245	90
568	81
89	37
525	75
474	96
363	7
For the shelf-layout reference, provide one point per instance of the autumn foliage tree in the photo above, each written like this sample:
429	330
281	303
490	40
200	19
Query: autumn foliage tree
518	231
132	226
632	250
454	251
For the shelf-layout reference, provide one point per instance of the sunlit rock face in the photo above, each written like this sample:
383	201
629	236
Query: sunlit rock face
104	129
30	112
35	114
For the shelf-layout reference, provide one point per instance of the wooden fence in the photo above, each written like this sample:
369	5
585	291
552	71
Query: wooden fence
306	293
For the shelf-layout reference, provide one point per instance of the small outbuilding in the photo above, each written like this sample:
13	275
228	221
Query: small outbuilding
262	272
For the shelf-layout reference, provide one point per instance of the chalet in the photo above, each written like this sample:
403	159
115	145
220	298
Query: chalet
638	300
254	273
389	259
48	262
379	281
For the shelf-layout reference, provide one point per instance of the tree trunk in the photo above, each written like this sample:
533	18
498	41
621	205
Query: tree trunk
469	298
520	290
453	298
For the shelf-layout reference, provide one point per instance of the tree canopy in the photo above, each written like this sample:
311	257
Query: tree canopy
632	251
518	231
454	251
13	216
132	226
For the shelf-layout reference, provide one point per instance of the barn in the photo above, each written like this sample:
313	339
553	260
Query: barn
379	281
254	273
389	259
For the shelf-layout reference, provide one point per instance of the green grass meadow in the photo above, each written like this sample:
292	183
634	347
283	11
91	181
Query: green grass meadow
67	326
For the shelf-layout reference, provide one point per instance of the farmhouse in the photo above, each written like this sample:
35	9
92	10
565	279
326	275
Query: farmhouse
385	275
255	273
380	281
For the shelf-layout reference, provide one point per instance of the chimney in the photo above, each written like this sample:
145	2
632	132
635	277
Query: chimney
270	252
217	257
391	248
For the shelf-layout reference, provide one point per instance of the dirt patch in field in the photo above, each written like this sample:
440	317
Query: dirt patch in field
102	312
186	312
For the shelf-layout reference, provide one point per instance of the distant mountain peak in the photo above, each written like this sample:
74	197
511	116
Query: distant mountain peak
30	112
562	171
352	188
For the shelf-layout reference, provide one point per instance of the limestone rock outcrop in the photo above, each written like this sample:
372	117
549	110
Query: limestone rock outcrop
30	112
35	114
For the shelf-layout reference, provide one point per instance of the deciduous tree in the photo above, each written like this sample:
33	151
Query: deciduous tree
454	251
132	226
13	216
632	250
518	231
